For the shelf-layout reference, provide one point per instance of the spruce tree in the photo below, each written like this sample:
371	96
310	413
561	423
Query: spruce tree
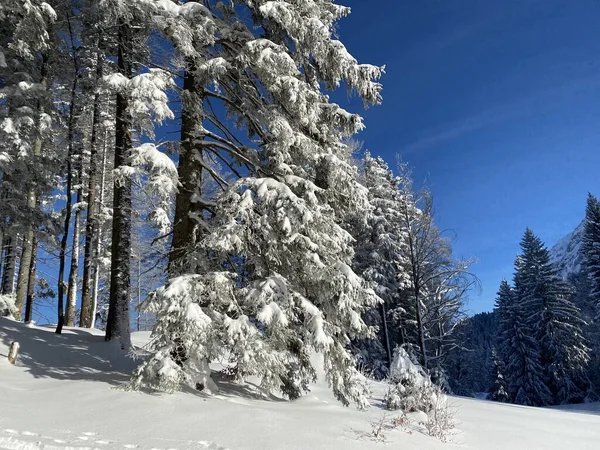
504	300
554	322
141	102
525	374
591	249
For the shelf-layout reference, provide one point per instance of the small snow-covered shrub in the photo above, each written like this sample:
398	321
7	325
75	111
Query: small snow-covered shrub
380	425
440	420
160	373
412	389
7	305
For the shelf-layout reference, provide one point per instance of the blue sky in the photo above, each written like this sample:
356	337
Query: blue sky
496	105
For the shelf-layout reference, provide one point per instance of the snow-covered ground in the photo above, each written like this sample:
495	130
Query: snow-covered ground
64	393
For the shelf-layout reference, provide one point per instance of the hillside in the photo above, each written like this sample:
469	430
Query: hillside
565	253
64	394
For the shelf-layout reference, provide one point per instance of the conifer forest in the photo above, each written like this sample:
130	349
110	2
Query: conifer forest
190	171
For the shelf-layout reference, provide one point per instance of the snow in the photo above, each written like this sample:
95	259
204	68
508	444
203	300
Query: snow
49	11
64	393
565	253
7	304
189	10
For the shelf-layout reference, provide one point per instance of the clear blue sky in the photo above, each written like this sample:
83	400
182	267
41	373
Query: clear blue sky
496	104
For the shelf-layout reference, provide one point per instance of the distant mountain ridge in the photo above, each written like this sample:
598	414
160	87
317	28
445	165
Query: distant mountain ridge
565	253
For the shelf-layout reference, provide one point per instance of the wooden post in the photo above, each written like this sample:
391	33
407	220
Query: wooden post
13	352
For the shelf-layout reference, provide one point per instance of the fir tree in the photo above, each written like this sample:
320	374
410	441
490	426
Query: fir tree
273	279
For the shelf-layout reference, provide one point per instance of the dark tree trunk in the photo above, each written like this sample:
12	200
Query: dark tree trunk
86	318
32	200
190	173
31	283
24	265
190	176
10	262
420	330
1	257
117	326
68	207
386	335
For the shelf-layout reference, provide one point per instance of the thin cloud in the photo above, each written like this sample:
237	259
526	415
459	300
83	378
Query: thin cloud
498	114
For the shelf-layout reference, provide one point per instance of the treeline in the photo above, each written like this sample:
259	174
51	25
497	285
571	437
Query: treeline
185	155
541	347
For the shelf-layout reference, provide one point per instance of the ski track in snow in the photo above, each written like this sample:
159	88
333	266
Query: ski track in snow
11	439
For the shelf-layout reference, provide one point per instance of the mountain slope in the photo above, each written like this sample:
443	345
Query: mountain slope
64	394
565	253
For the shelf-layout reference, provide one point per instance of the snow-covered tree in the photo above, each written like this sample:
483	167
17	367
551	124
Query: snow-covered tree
141	102
26	125
504	301
411	388
548	318
274	280
381	257
524	371
445	295
556	321
590	249
437	283
7	305
498	386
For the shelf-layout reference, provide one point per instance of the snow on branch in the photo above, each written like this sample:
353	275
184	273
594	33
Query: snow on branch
161	180
148	102
157	173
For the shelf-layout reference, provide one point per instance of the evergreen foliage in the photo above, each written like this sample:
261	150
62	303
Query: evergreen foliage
542	353
591	250
380	257
254	238
499	388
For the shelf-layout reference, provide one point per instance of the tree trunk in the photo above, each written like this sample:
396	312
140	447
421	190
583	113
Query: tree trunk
190	176
74	269
10	262
24	266
117	326
86	318
31	282
1	257
420	331
386	335
32	202
68	207
189	171
139	292
98	233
